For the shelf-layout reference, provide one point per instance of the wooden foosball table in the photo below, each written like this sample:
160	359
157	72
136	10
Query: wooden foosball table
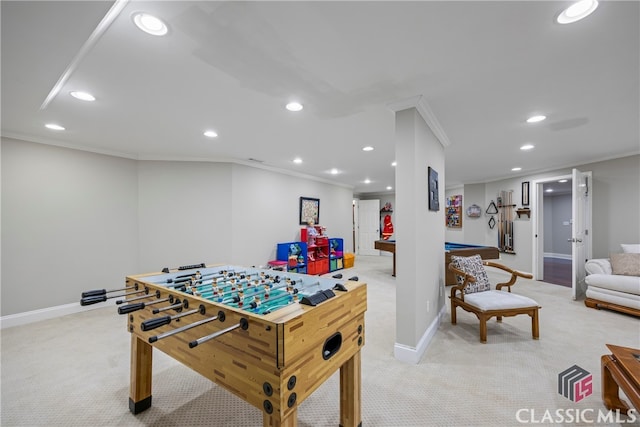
269	337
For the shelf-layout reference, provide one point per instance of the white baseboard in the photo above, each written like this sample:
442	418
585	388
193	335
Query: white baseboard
553	255
413	355
27	317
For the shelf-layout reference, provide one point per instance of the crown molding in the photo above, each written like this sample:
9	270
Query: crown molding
419	103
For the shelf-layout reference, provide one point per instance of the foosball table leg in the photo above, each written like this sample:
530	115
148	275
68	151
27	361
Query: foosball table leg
350	390
274	420
141	364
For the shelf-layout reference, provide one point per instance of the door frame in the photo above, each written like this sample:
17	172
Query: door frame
537	238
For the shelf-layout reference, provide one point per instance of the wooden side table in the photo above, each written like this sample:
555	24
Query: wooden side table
621	370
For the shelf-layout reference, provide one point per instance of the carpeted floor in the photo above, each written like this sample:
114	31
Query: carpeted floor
74	370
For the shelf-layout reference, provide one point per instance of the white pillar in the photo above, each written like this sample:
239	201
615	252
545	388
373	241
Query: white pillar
419	231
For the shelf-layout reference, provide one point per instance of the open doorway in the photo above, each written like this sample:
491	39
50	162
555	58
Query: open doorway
556	240
579	221
553	255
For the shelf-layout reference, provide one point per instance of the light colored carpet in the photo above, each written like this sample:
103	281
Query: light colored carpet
74	370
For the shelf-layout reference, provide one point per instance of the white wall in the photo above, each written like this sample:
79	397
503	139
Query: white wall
266	211
69	224
73	221
185	214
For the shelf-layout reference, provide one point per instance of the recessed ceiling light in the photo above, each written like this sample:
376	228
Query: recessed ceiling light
367	148
563	180
333	171
297	160
536	119
577	11
150	24
367	181
394	164
210	134
549	190
53	126
82	96
516	169
294	106
527	147
389	187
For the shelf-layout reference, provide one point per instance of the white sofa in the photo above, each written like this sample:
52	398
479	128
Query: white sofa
620	292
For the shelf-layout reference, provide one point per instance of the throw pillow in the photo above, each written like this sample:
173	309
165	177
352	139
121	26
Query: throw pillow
472	265
625	264
630	249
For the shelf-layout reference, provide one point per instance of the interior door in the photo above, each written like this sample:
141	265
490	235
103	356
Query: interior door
368	226
580	231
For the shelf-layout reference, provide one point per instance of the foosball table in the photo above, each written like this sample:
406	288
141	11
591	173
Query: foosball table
269	337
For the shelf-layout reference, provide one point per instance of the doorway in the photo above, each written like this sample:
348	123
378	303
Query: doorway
579	223
556	240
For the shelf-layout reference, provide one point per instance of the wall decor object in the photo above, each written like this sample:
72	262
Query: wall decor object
453	215
434	202
505	222
525	193
309	210
474	211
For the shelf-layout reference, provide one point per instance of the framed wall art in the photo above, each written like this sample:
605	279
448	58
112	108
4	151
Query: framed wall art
434	203
309	210
453	216
525	193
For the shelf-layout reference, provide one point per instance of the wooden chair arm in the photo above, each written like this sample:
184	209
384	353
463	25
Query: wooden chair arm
468	278
514	274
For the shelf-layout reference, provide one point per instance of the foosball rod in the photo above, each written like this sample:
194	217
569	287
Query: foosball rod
100	292
103	298
156	322
244	324
121	301
177	306
186	327
129	308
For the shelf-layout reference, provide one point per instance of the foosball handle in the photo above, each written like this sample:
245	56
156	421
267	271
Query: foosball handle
150	324
129	308
93	300
94	293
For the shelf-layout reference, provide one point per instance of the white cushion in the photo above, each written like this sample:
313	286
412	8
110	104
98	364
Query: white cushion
598	266
626	284
630	249
620	298
498	300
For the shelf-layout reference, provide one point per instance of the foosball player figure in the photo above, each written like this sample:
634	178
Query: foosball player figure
198	276
240	298
256	302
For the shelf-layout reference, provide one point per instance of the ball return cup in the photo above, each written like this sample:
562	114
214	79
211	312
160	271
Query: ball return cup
273	353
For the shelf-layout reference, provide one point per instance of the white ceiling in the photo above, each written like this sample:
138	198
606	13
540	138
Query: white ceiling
482	67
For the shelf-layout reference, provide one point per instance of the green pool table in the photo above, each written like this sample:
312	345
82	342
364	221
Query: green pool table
460	249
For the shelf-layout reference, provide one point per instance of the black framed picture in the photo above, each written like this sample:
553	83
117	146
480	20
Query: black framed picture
434	203
525	193
309	210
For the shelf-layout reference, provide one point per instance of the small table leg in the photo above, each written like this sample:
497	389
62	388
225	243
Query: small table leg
350	392
141	367
610	389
